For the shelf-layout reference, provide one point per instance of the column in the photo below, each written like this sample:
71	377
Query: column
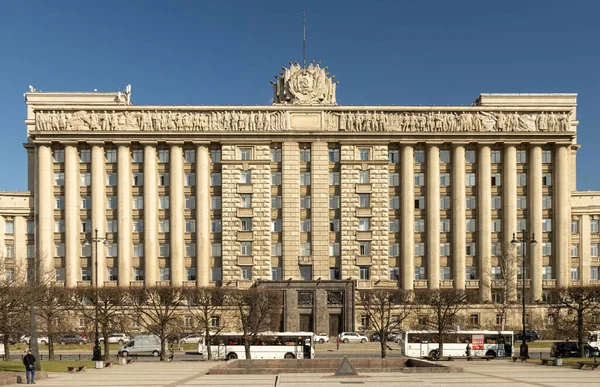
124	214
176	215
150	214
44	197
98	208
509	207
433	216
562	215
534	212
458	216
484	220
407	205
290	198
585	248
72	222
319	191
203	248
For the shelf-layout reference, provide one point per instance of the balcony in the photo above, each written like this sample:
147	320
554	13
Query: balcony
420	284
244	284
446	284
110	284
245	188
549	283
364	284
136	284
163	283
245	236
364	236
364	260
520	283
364	188
245	260
576	283
84	283
245	212
472	284
364	212
189	284
305	260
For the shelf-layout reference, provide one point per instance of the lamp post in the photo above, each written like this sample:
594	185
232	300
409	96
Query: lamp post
524	350
97	353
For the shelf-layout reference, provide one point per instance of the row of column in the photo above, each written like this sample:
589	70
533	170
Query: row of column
73	238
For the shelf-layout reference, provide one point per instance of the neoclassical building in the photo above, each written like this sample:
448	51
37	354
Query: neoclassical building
305	195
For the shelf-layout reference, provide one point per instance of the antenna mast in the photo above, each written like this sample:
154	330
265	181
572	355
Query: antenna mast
304	39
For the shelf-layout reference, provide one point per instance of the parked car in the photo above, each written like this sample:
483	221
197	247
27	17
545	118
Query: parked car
321	338
568	349
190	339
529	336
394	336
73	338
42	340
349	337
11	340
375	337
120	338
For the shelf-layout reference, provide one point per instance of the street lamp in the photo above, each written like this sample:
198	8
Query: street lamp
97	353
524	350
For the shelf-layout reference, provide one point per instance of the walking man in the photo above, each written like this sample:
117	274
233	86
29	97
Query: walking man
338	343
29	362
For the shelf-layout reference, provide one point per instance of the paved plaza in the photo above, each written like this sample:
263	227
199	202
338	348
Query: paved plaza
495	373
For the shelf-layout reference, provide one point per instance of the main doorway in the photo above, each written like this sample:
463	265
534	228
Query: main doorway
335	324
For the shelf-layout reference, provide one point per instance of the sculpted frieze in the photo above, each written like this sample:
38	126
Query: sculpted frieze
278	120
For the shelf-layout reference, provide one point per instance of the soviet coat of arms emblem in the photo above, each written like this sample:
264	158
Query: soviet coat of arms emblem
304	86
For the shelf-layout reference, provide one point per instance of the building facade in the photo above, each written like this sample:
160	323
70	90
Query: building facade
306	192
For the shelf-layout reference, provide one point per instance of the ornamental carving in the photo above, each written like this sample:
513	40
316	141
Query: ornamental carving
335	298
305	298
304	86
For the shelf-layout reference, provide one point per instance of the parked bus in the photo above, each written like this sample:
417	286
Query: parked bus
483	343
267	345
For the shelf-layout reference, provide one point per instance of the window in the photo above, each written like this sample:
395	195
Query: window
470	249
547	179
419	156
215	203
305	202
419	273
305	178
496	179
394	179
364	224
305	249
305	155
546	272
163	249
471	225
594	271
190	179
470	179
363	177
365	272
306	272
59	179
246	177
190	202
445	249
164	274
111	225
496	248
444	225
444	179
9	227
275	225
575	226
163	202
163	179
334	273
334	178
521	202
471	273
215	249
246	200
111	156
59	274
594	248
546	249
496	273
86	202
334	249
305	225
163	225
84	156
111	202
216	274
521	157
496	157
138	225
419	225
163	156
59	225
521	179
574	274
138	249
138	274
245	154
364	154
546	156
496	202
111	179
10	251
419	249
275	178
394	273
546	225
276	274
59	202
86	274
419	179
138	202
190	250
215	179
275	155
394	250
246	224
364	248
276	249
245	249
444	156
574	249
30	251
112	273
470	203
444	202
215	225
85	180
137	156
189	156
30	227
215	156
59	156
138	179
190	225
546	202
334	155
393	156
394	225
419	202
334	225
276	202
474	319
394	202
470	156
594	225
444	273
364	201
497	225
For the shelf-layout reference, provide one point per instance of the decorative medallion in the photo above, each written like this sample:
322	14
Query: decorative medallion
335	298
305	298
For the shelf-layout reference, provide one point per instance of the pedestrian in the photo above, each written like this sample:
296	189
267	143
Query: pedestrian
29	362
338	343
468	350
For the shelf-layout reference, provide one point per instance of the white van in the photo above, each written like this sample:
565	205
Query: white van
141	345
2	351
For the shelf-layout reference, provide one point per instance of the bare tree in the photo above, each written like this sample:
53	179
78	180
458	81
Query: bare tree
440	308
158	308
573	308
258	309
14	299
53	311
110	303
386	309
504	282
205	303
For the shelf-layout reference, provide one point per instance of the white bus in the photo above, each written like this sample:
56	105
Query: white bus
267	345
483	343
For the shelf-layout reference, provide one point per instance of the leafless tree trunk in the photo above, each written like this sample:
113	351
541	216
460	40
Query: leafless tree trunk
205	303
14	299
53	311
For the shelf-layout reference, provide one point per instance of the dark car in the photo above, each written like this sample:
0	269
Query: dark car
375	337
529	336
73	339
567	349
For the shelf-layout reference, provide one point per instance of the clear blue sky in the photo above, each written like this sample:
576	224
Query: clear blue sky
225	52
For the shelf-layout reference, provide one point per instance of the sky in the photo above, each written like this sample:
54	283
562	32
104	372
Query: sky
226	52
